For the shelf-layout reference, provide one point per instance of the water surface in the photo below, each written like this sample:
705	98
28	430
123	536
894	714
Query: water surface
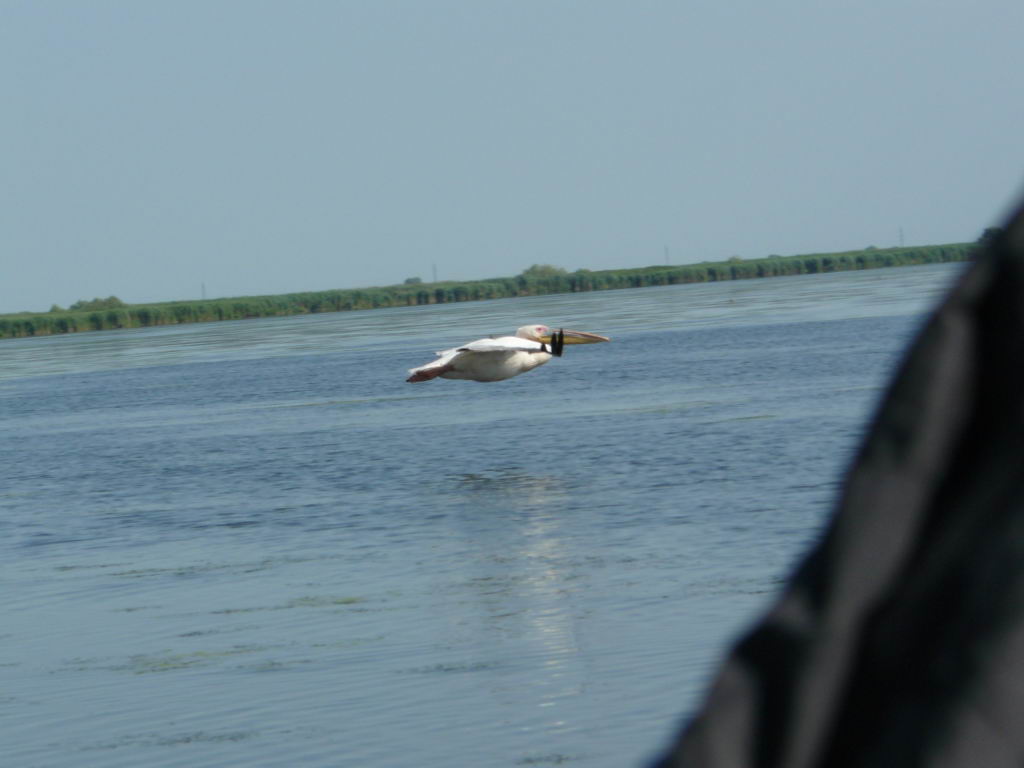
252	543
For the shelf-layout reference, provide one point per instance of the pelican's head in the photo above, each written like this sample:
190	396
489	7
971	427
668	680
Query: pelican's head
543	334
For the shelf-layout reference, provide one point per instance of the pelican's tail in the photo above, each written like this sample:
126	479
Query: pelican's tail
427	372
435	368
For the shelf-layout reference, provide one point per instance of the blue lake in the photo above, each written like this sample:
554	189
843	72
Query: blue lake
253	544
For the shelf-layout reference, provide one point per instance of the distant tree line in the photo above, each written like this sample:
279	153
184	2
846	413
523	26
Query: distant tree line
112	313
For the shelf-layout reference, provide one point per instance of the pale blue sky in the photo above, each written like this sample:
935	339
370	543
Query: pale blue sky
149	148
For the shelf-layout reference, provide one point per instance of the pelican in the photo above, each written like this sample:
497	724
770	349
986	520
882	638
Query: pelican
504	357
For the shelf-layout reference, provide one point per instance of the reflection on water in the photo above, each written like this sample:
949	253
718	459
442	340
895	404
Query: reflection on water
254	544
524	578
529	489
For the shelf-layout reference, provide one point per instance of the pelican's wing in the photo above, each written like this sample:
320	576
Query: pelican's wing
502	344
434	368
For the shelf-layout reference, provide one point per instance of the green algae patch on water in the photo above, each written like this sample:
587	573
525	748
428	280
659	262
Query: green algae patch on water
174	740
323	600
458	667
145	663
555	759
314	601
168	661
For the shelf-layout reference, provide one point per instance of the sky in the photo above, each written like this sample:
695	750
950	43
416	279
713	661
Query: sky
169	150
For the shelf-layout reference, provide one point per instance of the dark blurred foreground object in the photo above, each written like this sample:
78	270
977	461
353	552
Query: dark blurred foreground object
899	641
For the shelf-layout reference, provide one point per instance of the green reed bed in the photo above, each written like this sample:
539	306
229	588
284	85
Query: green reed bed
111	313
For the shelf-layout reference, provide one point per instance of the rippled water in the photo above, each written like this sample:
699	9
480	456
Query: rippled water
252	543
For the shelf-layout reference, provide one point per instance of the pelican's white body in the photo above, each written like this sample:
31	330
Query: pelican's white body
501	358
489	359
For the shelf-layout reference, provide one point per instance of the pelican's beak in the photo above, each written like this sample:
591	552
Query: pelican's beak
579	337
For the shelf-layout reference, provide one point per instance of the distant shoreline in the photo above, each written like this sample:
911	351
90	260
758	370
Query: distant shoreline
112	314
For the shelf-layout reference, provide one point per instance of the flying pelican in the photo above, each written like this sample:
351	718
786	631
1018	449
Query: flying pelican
503	357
